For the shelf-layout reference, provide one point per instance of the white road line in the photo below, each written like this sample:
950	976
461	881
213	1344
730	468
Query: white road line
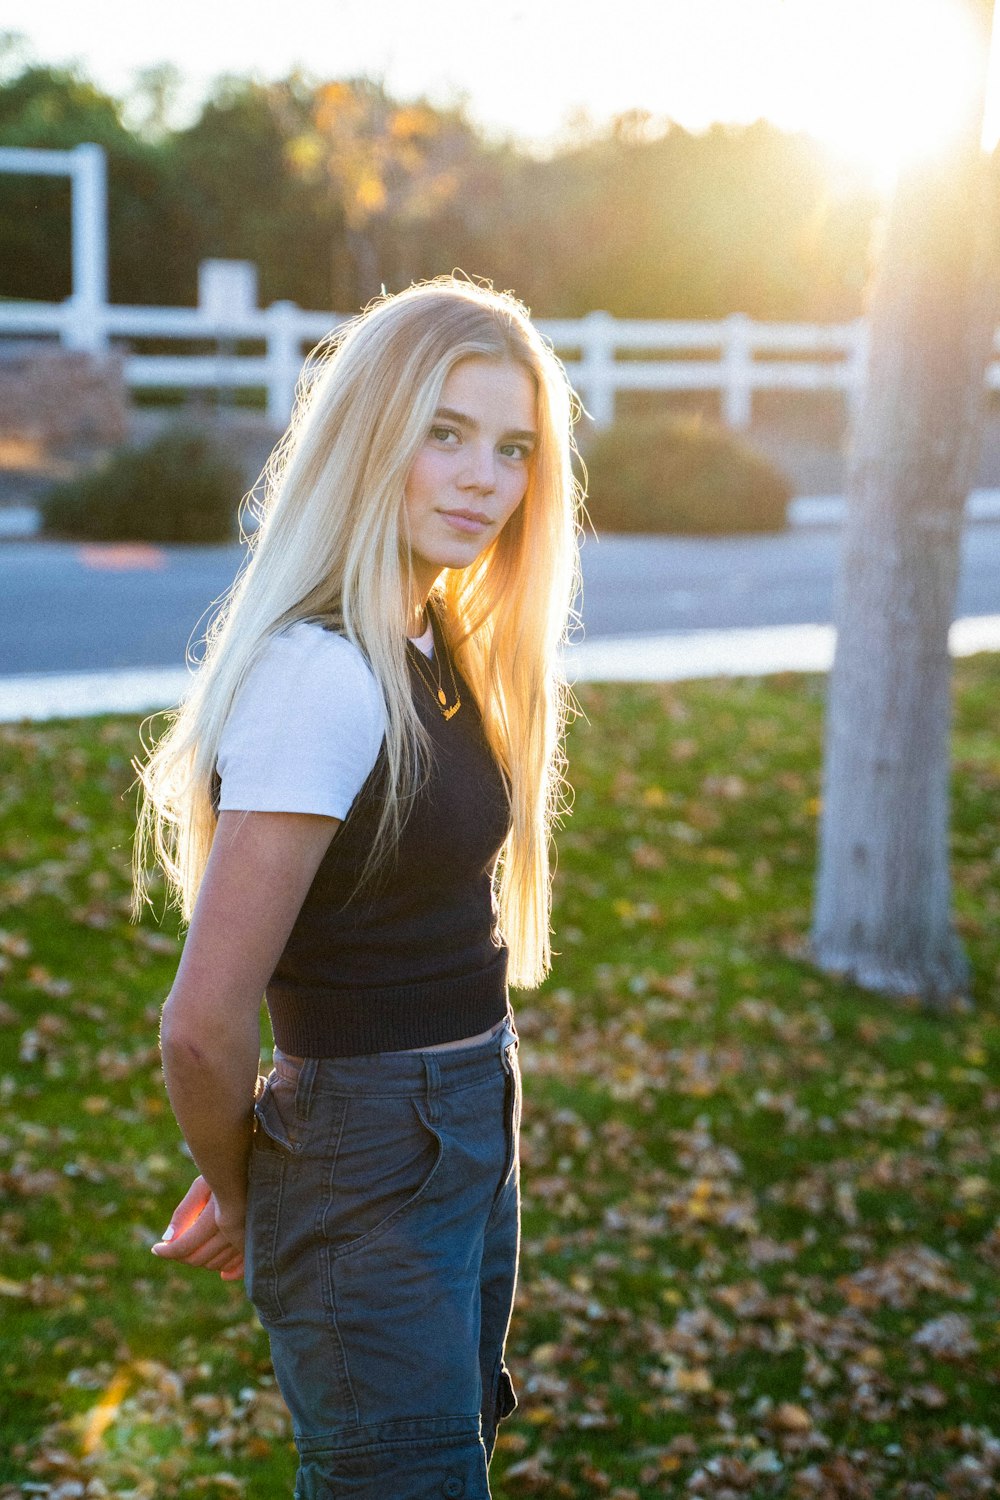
638	658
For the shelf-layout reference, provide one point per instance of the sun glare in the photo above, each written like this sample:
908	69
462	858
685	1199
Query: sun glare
889	80
877	80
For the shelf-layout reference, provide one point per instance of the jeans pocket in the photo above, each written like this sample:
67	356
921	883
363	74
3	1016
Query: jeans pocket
276	1116
387	1157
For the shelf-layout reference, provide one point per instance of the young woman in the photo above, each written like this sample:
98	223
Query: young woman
354	807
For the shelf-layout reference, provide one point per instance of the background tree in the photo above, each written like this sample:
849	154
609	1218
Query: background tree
333	187
386	165
650	220
234	169
148	104
883	898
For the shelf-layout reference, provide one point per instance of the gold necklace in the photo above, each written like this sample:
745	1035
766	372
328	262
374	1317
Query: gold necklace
434	683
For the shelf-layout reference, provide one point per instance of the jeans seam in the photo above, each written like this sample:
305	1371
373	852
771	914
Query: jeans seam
271	1308
329	1290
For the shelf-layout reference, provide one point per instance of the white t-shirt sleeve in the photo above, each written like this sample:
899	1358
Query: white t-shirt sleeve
305	729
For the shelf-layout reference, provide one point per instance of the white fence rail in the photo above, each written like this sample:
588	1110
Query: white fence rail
734	356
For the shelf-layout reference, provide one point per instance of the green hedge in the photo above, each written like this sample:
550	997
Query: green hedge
681	474
180	488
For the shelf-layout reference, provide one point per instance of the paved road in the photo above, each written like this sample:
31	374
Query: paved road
66	607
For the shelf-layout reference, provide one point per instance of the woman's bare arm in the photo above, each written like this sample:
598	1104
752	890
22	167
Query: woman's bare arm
258	873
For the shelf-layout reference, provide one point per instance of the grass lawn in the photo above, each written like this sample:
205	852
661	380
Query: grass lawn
761	1250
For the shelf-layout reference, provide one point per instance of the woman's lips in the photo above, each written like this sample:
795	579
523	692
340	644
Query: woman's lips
462	521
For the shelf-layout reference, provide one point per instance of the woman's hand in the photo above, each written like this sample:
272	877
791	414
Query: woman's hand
205	1232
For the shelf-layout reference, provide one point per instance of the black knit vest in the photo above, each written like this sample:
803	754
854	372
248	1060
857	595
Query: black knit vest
415	958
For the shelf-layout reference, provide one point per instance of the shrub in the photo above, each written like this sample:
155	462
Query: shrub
680	474
180	488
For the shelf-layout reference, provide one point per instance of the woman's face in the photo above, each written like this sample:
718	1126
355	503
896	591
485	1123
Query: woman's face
472	471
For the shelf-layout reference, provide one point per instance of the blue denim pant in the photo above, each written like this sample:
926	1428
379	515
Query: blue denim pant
383	1231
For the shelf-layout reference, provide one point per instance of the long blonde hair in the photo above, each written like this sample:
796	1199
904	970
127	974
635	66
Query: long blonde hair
332	545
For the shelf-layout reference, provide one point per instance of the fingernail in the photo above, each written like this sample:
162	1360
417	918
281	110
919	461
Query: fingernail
167	1234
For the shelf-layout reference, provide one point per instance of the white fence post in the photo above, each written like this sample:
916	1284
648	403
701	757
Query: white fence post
597	350
80	320
737	376
85	326
284	360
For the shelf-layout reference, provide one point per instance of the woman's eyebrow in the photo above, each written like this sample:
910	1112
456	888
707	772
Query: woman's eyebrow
451	415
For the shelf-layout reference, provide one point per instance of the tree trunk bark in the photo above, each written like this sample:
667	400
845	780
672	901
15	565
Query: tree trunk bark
883	899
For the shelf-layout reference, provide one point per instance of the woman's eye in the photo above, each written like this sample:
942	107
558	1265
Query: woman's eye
441	434
515	450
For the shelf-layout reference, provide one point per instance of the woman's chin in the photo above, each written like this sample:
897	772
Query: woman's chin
460	555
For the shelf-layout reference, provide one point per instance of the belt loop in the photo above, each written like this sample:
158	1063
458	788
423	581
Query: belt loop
432	1077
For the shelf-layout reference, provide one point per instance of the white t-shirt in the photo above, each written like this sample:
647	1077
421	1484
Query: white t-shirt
306	728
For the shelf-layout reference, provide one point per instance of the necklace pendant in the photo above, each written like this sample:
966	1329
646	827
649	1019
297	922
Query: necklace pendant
450	713
442	699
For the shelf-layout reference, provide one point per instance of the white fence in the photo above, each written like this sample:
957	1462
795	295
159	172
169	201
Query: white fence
734	356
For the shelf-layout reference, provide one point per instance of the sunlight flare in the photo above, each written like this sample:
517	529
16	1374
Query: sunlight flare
885	83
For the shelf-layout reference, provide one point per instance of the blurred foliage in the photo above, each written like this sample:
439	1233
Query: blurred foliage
245	200
333	188
389	168
668	473
179	488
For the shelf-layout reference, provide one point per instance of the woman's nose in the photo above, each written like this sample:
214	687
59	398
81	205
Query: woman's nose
480	466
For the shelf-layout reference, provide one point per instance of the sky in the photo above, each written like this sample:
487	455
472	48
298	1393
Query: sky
863	75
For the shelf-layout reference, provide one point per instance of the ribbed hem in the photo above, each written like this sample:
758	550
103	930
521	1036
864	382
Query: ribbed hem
351	1022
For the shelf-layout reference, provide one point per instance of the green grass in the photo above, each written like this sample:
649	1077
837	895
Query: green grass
750	1192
